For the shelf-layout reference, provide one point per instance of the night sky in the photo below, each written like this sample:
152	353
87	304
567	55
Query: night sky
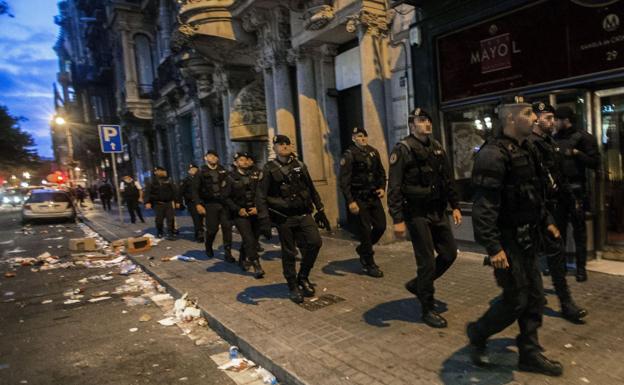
28	66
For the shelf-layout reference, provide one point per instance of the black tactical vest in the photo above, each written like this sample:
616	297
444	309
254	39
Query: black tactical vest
212	183
162	190
291	187
423	178
551	160
131	192
244	187
569	166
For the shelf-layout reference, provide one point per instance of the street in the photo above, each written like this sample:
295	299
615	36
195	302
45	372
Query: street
45	341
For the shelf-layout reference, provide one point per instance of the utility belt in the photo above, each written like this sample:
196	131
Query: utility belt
364	194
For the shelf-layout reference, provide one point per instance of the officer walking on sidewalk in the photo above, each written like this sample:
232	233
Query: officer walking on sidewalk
186	190
552	248
363	183
209	193
508	215
287	194
419	189
162	194
241	200
132	194
579	153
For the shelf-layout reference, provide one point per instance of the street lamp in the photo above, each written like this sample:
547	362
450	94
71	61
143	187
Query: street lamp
59	120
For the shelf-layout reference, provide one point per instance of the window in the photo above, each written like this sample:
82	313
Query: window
144	63
48	197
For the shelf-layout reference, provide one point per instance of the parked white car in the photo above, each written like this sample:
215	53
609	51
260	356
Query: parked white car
48	204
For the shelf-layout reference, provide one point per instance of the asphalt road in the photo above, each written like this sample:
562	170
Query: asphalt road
85	343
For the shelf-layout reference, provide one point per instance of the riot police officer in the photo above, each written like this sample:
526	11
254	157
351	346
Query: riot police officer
363	182
508	215
186	190
241	200
552	248
287	195
209	190
419	189
162	194
579	153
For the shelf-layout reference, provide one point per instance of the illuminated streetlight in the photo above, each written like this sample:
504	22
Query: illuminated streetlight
26	175
59	120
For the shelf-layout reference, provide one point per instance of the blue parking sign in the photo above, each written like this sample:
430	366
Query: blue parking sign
110	138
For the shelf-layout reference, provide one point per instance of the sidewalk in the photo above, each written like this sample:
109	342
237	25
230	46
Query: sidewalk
370	331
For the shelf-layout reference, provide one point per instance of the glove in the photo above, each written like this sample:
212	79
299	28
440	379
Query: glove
265	228
321	220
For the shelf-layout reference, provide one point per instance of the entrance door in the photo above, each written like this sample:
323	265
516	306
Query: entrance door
611	131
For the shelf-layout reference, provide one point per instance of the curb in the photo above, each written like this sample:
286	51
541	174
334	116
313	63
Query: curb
253	353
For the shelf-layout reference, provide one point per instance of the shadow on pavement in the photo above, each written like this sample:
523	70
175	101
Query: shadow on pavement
255	294
225	267
406	310
341	267
458	370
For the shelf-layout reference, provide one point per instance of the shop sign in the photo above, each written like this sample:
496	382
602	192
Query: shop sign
543	42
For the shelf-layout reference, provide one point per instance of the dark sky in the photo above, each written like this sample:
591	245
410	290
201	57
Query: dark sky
28	66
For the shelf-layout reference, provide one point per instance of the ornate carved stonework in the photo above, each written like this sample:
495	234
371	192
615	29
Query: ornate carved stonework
372	23
318	17
248	118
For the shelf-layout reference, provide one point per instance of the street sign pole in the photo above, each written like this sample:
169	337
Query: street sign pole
117	186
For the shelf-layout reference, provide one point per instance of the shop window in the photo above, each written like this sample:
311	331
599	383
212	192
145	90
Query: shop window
466	130
144	63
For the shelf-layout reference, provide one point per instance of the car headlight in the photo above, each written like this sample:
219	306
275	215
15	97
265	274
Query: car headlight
6	200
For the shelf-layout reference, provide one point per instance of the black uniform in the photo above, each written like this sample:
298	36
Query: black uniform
573	200
552	248
162	194
209	190
287	195
186	190
419	188
243	185
508	214
361	175
131	194
106	194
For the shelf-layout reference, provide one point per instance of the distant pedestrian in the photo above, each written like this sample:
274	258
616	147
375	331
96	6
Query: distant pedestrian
80	195
162	194
132	194
106	194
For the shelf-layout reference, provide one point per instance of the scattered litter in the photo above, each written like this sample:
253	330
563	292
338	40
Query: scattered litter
145	318
183	258
9	242
237	365
53	239
160	298
101	294
132	330
71	301
9	293
568	346
183	379
165	259
191	313
585	380
124	312
9	274
16	250
136	301
202	322
267	377
127	268
84	280
106	278
99	299
202	341
45	302
169	321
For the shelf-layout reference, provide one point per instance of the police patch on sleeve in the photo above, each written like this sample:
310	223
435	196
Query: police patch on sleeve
393	158
343	161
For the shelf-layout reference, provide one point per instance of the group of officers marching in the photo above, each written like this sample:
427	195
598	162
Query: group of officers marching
528	184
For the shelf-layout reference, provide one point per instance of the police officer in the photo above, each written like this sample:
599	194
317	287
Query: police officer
162	194
579	152
209	190
132	194
287	195
508	215
241	201
419	189
186	190
552	248
363	183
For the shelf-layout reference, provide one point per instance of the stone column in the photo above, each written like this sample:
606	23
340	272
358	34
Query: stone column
270	110
220	79
284	108
160	159
207	128
165	28
127	45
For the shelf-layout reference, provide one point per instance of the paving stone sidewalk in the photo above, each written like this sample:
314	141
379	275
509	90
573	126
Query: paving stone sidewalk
374	334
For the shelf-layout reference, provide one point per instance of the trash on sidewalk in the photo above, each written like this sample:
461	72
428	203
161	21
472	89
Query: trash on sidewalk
9	274
238	365
266	376
47	301
53	239
132	330
71	301
127	268
161	299
16	250
9	293
101	294
82	244
138	245
169	321
183	258
136	301
98	299
153	240
145	318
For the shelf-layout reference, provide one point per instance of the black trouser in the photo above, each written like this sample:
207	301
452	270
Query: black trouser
217	215
522	300
371	223
249	229
428	233
164	210
198	222
106	203
571	208
302	230
553	251
134	209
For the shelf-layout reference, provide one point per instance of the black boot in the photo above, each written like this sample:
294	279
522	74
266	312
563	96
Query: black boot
411	286
573	313
294	292
258	271
305	286
538	363
581	274
160	234
370	268
209	253
227	256
477	347
433	318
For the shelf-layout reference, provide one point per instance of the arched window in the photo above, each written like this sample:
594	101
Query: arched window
144	63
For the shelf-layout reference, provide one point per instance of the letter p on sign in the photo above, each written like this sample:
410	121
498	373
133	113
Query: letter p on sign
110	138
